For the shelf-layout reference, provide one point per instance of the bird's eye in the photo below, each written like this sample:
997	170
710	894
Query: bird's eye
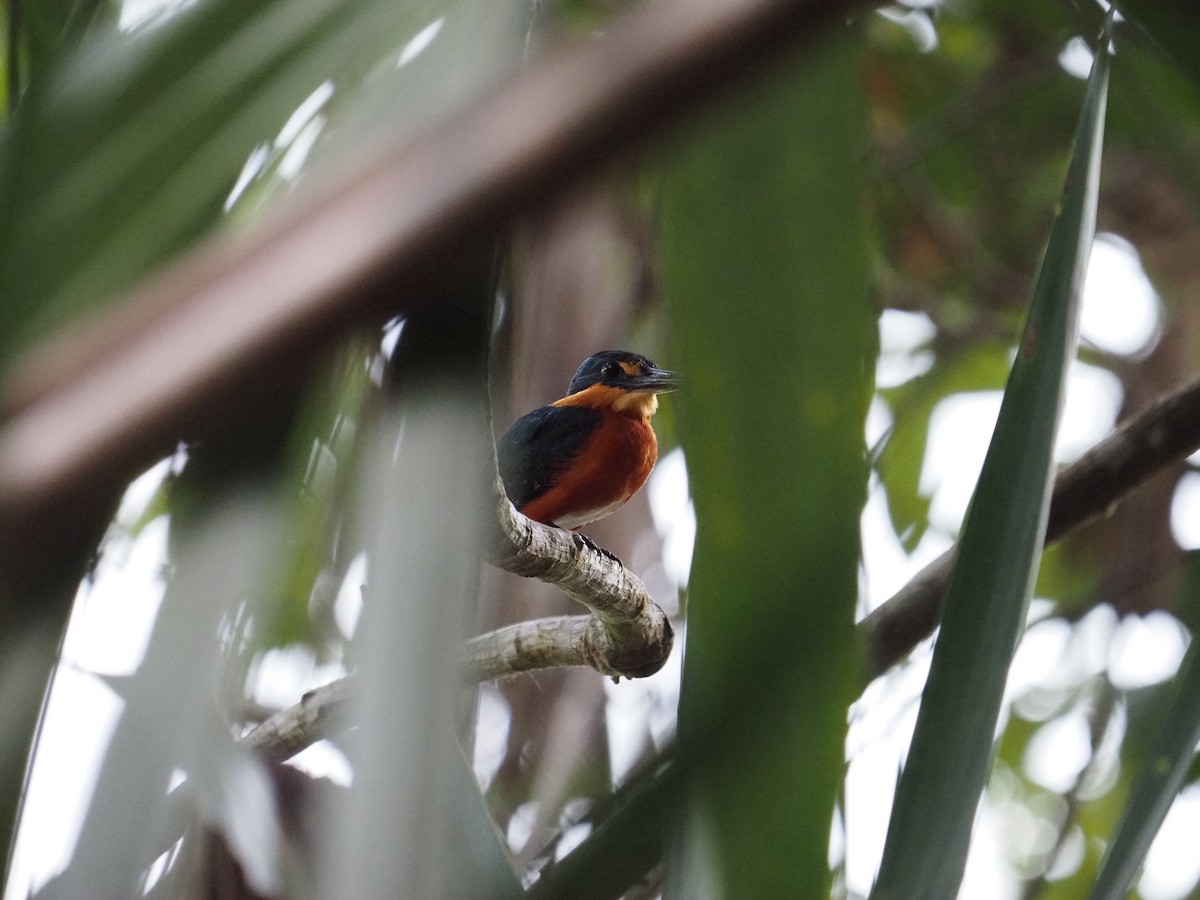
610	370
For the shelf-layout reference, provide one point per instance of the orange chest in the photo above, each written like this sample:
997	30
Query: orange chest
612	466
618	460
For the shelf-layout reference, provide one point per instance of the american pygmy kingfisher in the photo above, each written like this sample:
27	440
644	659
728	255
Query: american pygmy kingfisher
580	458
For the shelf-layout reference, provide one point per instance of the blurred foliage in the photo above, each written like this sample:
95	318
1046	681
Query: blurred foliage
737	274
999	550
132	142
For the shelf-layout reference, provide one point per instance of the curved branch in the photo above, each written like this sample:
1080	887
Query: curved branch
630	634
553	642
627	634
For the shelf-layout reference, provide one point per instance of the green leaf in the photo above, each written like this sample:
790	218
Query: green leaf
126	150
1161	776
929	833
765	267
626	843
170	721
413	798
1171	28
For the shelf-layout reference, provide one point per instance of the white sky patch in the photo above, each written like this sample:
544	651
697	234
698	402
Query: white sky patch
141	493
960	431
673	513
902	353
79	722
114	613
304	114
961	428
297	152
301	130
492	724
1121	312
641	712
1076	58
1146	650
1093	400
281	674
1173	865
1039	655
348	606
420	41
1058	751
870	787
1185	512
887	567
879	421
324	760
572	838
291	146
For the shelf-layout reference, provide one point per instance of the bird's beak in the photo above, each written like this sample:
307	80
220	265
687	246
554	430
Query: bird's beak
658	380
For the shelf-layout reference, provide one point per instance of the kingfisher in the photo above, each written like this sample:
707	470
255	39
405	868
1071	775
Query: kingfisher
582	457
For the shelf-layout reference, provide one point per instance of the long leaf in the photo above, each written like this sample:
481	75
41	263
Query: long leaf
765	265
126	150
170	720
929	834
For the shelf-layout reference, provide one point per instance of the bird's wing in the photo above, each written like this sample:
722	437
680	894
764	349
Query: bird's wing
539	446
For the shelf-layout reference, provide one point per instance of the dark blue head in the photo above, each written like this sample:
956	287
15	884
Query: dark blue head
625	371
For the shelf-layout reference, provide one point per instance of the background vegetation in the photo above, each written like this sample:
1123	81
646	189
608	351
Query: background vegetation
272	251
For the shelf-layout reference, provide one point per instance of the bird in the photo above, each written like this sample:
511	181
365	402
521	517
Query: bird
582	457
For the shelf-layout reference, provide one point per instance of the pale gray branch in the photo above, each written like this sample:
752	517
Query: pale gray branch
319	714
627	634
631	635
549	643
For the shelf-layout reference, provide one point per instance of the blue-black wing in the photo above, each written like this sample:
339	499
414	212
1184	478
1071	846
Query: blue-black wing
539	446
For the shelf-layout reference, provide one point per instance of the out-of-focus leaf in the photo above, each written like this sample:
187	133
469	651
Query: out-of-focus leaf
1170	26
26	665
324	454
407	806
231	789
127	149
50	27
1159	113
626	843
171	715
1162	773
765	266
1066	575
936	799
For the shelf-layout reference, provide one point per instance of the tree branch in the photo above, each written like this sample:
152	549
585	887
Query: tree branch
622	638
627	634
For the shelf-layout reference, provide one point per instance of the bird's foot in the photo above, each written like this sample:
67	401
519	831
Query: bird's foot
582	540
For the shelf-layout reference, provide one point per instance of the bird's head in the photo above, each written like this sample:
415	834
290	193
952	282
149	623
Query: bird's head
624	382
